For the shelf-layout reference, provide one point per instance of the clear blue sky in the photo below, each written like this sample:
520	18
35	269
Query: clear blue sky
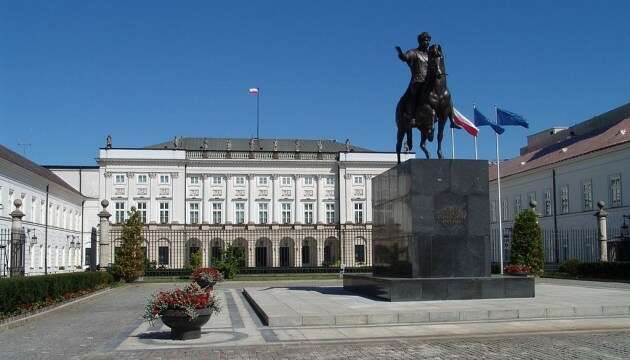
73	71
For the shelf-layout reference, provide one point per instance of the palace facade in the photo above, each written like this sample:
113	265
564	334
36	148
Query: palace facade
287	203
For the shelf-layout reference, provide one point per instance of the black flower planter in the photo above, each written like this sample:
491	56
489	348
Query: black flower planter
203	283
522	274
182	328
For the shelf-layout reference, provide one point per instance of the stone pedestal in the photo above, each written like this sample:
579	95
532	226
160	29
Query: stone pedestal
431	235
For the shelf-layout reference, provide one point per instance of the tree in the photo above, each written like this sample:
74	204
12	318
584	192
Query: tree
131	257
230	264
195	260
527	247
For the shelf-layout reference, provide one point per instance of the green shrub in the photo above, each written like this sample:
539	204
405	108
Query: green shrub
233	257
116	271
527	248
195	260
604	270
570	267
28	290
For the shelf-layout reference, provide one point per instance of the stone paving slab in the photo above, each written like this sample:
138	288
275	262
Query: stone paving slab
332	305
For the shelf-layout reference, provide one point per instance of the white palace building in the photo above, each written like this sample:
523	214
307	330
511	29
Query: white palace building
287	203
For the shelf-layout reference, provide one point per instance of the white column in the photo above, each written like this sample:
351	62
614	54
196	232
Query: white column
152	211
205	205
275	253
318	201
297	187
368	198
275	195
130	190
251	203
229	217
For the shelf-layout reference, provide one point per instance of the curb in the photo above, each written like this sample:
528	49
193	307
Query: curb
19	320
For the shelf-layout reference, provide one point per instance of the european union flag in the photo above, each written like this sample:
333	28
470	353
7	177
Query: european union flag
481	120
505	117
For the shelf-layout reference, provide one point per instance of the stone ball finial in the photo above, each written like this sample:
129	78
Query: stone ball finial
17	203
601	204
104	203
533	203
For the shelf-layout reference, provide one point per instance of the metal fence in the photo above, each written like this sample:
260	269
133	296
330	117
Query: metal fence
565	244
12	253
264	248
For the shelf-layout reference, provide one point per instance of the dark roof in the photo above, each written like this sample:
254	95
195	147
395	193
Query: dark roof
589	136
284	145
21	161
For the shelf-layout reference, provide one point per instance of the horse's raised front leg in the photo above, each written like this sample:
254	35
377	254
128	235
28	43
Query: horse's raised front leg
441	123
423	144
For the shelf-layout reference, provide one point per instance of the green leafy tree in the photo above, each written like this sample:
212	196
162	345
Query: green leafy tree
130	257
230	265
527	247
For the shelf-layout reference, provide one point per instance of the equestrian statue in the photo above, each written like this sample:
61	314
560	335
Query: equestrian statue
427	99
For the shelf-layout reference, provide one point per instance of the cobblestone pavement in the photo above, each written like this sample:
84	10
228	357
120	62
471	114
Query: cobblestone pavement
107	327
599	345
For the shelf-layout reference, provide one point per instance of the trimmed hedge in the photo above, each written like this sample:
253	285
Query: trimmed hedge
597	270
24	290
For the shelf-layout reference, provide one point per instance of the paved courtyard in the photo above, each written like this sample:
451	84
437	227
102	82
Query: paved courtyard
109	326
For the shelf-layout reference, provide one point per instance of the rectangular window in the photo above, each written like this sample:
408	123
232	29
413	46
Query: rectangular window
330	180
517	205
286	180
286	213
142	179
615	190
548	205
240	180
308	180
88	256
587	195
263	213
239	212
165	179
493	211
564	199
359	254
164	213
194	213
308	213
217	180
194	180
330	213
358	213
119	179
217	212
142	211
163	255
119	212
358	180
262	180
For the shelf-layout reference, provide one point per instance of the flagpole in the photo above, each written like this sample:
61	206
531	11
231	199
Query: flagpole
452	143
476	152
258	114
500	205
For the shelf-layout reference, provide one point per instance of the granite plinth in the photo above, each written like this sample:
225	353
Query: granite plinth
431	219
450	288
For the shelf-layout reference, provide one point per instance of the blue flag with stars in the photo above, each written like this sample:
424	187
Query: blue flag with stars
481	120
507	118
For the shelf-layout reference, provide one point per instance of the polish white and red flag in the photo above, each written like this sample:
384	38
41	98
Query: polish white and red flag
253	91
464	123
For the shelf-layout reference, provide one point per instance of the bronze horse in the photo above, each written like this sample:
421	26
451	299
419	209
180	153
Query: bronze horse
433	106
